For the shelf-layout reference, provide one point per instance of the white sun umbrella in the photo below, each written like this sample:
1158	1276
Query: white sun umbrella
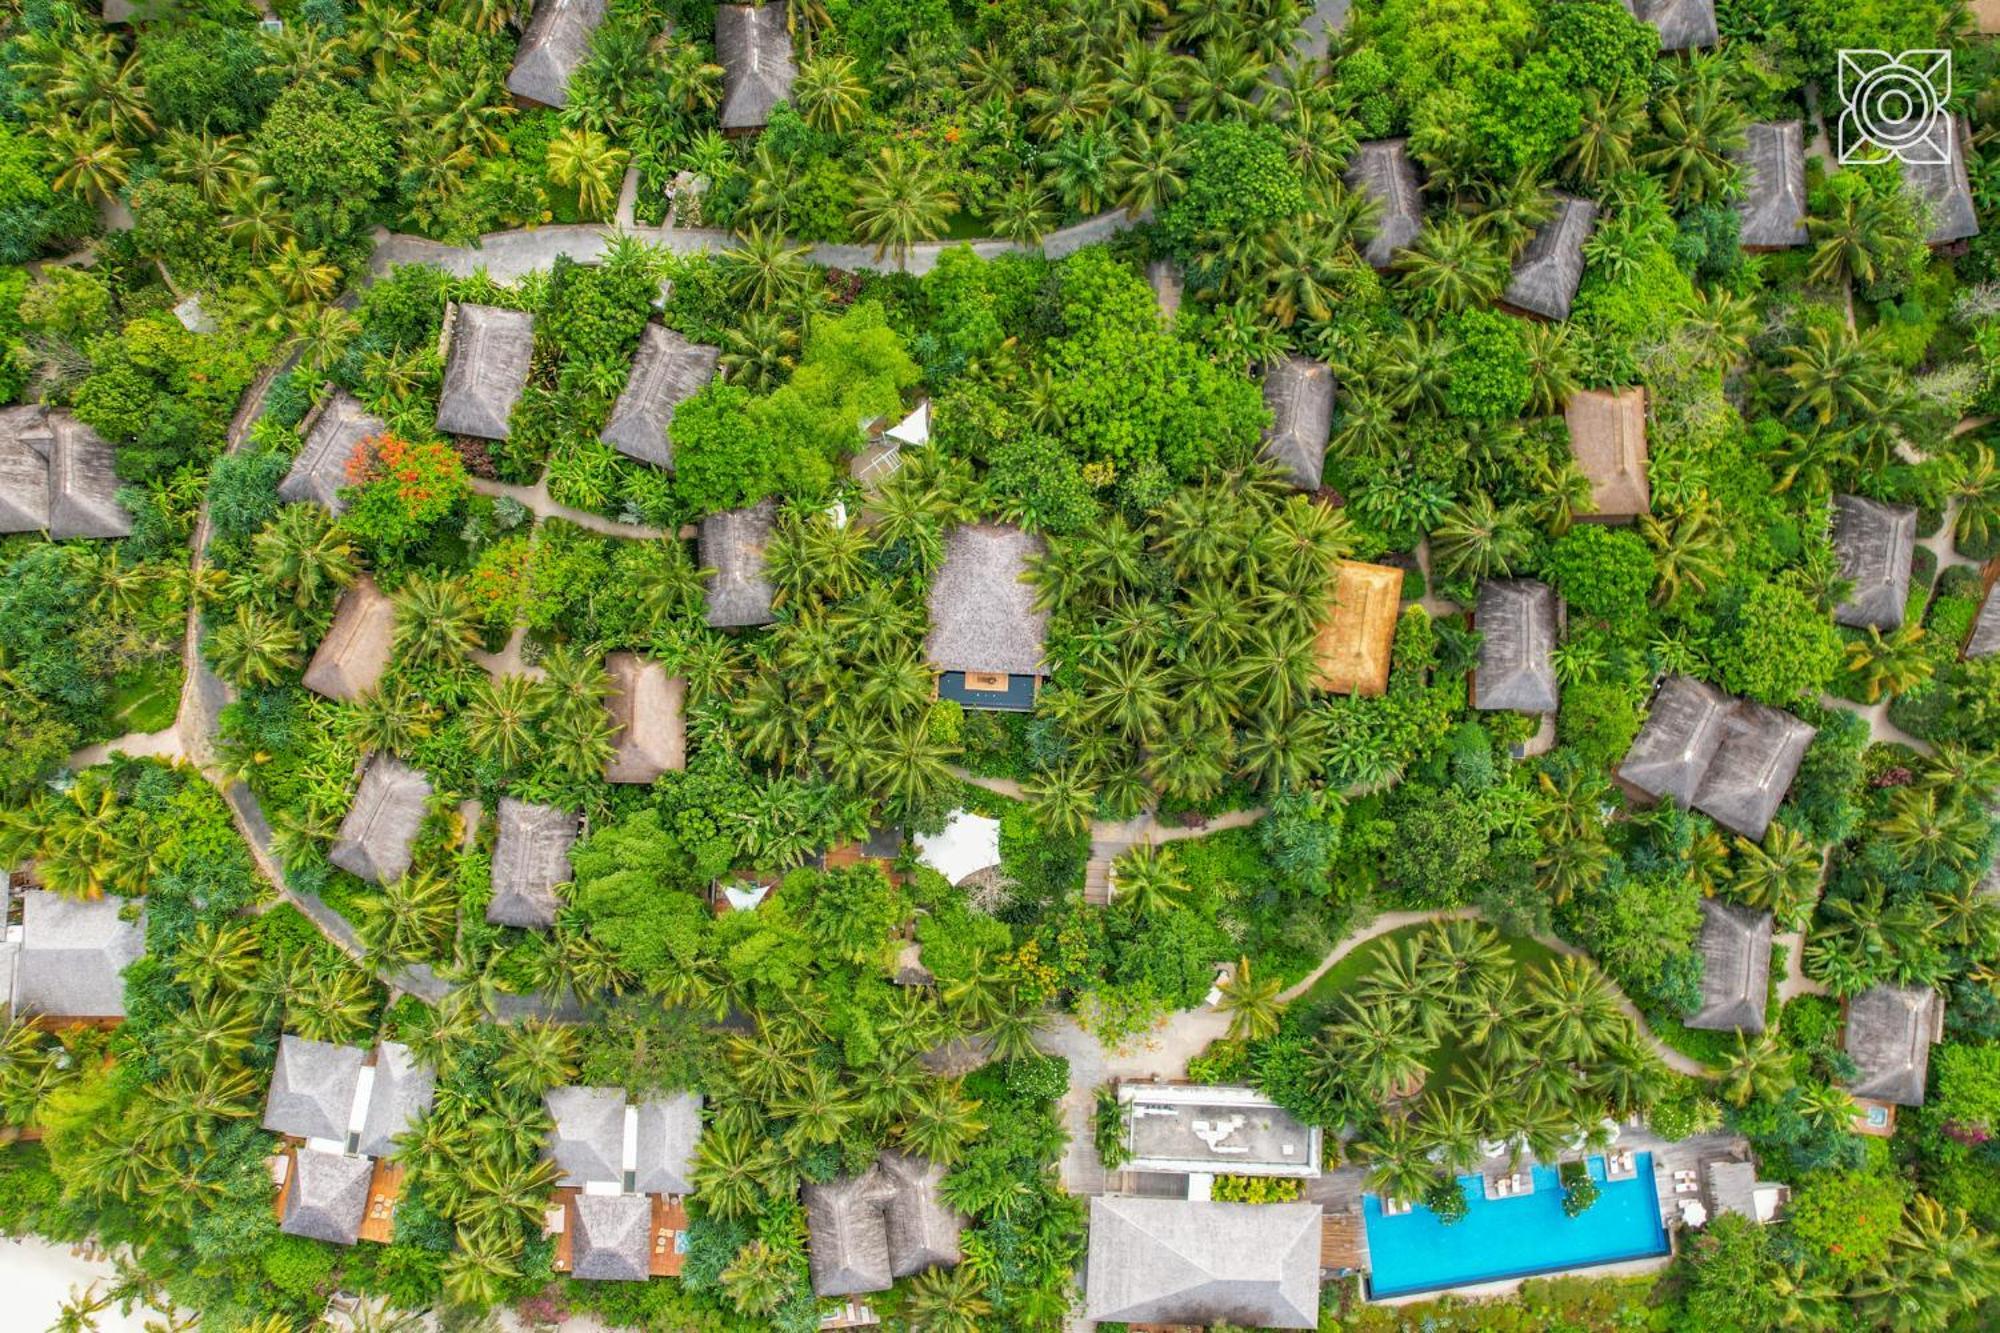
969	844
1693	1213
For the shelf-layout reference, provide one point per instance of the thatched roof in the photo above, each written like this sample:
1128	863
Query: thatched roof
983	615
328	1196
614	1238
1299	393
1548	271
1731	759
754	46
1985	637
923	1229
530	857
1674	748
381	826
1875	543
83	485
1946	188
669	1129
485	370
1607	437
555	44
1735	947
1683	24
312	1089
332	432
1773	208
666	369
1384	172
1518	621
1732	1188
350	660
1359	634
588	1141
1890	1030
24	469
402	1094
888	1222
732	544
648	726
1183	1261
73	956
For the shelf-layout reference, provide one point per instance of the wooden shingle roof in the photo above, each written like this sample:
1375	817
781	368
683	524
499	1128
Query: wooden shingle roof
614	1238
1945	187
24	469
83	483
1299	392
889	1222
1607	437
73	955
1549	271
1773	208
1729	758
530	857
1194	1262
327	1196
754	45
1358	636
1876	543
666	370
1985	637
1682	24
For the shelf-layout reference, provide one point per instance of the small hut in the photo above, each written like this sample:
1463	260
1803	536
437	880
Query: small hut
1985	637
1383	171
614	1238
381	827
1673	750
72	958
1518	621
1607	437
1890	1031
488	354
351	658
1683	24
24	469
333	431
732	544
313	1089
889	1222
666	370
1299	393
754	45
1359	633
986	636
327	1196
1735	947
1943	183
530	857
1773	208
83	483
1731	759
556	43
1548	272
1876	543
648	725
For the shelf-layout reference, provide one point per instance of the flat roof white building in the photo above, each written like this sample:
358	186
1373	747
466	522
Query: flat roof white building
1201	1130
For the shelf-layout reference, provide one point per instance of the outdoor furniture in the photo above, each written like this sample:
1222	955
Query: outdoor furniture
1522	1184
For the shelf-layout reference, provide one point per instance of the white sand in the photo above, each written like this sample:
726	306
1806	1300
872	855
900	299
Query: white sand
39	1276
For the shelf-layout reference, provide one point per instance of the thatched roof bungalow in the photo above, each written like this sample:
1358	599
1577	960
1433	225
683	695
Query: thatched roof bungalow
614	1238
530	857
333	431
889	1222
556	43
1683	24
1384	171
1193	1262
1985	637
648	725
1358	636
1945	186
1731	759
381	826
732	544
1735	948
1518	621
588	1141
350	660
313	1088
83	483
73	955
327	1196
24	469
669	1129
1607	437
986	637
1890	1031
1876	543
401	1095
488	354
1299	393
1773	207
754	45
1548	272
666	370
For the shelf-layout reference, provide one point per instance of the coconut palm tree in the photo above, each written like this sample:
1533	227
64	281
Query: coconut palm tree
1938	1266
1372	1045
1928	832
763	269
899	202
303	555
1475	539
1781	876
830	93
1757	1067
1578	1013
1148	884
586	161
501	716
1895	664
436	624
1399	1164
1251	1002
1063	800
1699	126
254	647
1453	265
940	1122
391	718
1603	143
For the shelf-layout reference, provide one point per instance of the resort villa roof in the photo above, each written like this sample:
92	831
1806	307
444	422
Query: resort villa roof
24	469
328	1196
1383	171
73	956
732	544
669	1129
350	660
588	1141
1985	637
489	351
1890	1030
1683	24
530	857
1735	947
83	485
313	1086
648	726
614	1238
1607	437
1299	392
1773	207
982	608
555	44
666	370
381	826
1356	638
401	1095
1182	1128
1875	543
1733	1187
888	1222
1548	271
332	432
1945	187
1518	622
1182	1261
754	45
1731	759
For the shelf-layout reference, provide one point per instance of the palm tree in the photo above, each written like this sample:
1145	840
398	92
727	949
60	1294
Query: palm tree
899	202
1827	1106
1855	242
830	93
302	553
1603	144
1062	799
475	1273
1691	552
1477	540
1781	876
391	718
1148	884
759	1279
585	160
436	624
1896	664
1756	1068
1579	1013
90	162
501	716
1454	265
1834	373
1024	212
1927	832
1251	1002
940	1122
764	269
948	1300
1149	169
1399	1160
254	647
1975	484
1373	1045
1938	1266
1699	127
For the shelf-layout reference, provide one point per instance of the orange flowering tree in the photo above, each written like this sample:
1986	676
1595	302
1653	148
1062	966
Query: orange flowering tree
398	488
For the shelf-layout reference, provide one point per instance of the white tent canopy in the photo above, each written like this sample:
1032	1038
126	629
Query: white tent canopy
914	428
969	844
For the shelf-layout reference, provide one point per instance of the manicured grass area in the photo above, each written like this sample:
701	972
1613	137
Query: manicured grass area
1711	1048
146	699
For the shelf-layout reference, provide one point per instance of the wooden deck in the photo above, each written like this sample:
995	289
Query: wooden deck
385	1187
289	1157
670	1224
1343	1243
563	1208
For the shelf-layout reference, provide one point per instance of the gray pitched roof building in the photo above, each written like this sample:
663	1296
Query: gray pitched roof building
328	1196
1773	207
614	1238
490	350
588	1142
73	956
1731	759
1735	946
888	1222
1674	748
312	1089
24	469
555	44
530	857
402	1094
1946	188
332	431
648	724
1183	1261
381	826
1548	272
1875	543
350	660
1683	24
669	1129
754	45
1890	1030
666	370
1384	172
983	615
1299	392
1985	636
1518	621
83	485
732	544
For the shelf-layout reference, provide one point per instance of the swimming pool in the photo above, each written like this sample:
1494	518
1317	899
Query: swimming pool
1518	1237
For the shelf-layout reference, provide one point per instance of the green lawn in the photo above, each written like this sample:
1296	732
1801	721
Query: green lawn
146	699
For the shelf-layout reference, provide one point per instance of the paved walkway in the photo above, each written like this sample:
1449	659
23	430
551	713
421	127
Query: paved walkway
536	499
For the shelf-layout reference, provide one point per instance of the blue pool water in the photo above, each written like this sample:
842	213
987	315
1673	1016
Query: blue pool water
1518	1237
